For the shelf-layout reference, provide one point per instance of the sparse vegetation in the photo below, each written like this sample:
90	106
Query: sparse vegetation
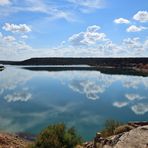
57	136
122	129
110	126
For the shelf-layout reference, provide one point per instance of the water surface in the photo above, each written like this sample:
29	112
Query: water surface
31	100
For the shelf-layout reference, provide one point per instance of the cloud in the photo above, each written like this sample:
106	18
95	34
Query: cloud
133	97
13	48
9	38
4	2
134	28
120	104
90	43
134	46
20	96
93	28
90	37
24	37
95	4
133	43
49	9
121	21
21	28
140	108
141	16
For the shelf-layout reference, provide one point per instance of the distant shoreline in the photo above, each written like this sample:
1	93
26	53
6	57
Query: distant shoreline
131	66
121	62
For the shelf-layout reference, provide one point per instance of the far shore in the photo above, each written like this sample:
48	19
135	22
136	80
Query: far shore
130	66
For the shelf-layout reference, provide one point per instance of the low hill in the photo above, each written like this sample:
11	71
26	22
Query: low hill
116	62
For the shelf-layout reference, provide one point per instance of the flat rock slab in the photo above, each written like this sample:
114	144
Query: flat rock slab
136	138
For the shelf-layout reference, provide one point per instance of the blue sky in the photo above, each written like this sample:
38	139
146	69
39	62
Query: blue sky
81	28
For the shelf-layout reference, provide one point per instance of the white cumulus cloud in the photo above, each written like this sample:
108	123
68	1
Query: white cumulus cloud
141	16
121	21
21	28
90	37
134	28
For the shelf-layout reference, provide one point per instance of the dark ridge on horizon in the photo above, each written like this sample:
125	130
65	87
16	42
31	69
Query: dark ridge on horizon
92	61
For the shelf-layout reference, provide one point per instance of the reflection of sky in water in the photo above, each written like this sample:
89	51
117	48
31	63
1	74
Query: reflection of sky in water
29	101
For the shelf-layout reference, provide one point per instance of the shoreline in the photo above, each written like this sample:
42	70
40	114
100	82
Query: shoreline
122	138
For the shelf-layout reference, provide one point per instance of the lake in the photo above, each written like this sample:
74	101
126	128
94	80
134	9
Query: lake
31	100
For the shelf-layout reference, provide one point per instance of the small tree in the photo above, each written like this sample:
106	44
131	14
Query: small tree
58	136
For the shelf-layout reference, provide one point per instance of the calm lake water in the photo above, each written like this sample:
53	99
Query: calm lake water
31	100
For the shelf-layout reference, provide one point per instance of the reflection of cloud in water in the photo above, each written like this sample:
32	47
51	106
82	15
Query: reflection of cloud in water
134	82
131	83
12	78
133	97
1	91
89	88
89	83
120	104
20	96
10	119
10	124
7	124
89	119
137	108
140	108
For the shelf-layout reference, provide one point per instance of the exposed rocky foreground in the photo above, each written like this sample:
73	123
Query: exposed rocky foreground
133	135
12	141
136	138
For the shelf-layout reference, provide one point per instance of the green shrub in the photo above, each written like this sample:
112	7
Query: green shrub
110	126
58	136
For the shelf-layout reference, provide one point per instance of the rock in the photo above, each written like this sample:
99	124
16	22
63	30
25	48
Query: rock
133	135
122	129
136	138
12	141
137	124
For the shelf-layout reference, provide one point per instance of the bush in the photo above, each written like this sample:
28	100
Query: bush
57	136
110	126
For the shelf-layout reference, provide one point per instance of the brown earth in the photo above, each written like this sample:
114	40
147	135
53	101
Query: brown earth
12	141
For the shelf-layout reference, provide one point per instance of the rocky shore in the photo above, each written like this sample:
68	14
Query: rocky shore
131	135
8	140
